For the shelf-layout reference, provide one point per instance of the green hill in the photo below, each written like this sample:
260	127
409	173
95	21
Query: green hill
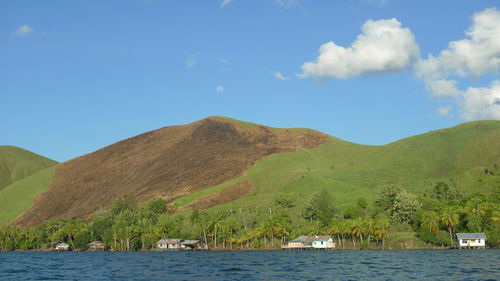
17	163
458	155
351	171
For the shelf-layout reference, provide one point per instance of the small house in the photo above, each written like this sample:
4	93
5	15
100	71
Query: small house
193	245
320	242
471	240
59	246
169	244
97	246
297	243
317	242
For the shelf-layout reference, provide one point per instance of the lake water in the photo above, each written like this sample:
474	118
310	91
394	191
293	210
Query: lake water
253	265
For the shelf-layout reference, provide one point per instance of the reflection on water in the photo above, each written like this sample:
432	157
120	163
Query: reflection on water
253	265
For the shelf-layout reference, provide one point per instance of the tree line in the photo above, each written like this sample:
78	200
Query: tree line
129	226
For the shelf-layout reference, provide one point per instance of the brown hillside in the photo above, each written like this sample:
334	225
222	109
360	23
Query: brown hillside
169	162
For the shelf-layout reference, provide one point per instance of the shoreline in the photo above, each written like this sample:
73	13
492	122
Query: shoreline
254	250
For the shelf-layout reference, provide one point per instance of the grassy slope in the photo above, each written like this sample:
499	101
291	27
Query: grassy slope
17	163
348	170
18	197
351	171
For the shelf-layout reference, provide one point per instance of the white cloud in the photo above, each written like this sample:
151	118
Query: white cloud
482	103
287	3
224	3
444	88
24	30
468	59
444	111
219	89
280	76
384	46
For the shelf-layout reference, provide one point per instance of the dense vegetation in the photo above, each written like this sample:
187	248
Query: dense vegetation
435	217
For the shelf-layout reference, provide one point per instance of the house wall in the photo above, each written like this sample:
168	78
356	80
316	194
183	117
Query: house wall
323	244
162	246
295	245
472	242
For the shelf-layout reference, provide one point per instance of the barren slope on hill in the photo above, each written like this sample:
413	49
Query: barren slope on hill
170	162
17	163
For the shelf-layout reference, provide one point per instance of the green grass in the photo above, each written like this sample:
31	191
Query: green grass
17	163
350	171
18	197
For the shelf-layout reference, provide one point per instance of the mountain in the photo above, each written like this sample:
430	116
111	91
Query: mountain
219	163
17	163
170	162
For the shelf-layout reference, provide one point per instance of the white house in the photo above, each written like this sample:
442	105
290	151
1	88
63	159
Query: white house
321	242
471	240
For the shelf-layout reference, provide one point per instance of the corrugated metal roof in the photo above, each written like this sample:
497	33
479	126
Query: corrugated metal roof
300	239
169	241
190	242
471	236
318	238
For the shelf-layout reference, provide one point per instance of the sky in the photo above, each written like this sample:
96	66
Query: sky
76	76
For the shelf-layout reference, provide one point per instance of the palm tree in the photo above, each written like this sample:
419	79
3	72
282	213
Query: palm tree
344	231
115	232
380	229
430	221
231	225
128	234
215	225
335	229
449	218
369	228
144	229
258	233
162	227
357	229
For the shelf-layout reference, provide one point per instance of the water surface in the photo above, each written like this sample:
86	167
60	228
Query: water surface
253	265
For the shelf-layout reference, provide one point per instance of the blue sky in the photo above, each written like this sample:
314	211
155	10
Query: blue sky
79	75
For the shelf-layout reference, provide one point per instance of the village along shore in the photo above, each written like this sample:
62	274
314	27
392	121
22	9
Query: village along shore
302	243
398	220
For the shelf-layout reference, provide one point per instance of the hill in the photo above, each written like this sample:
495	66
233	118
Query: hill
170	163
17	163
220	163
458	155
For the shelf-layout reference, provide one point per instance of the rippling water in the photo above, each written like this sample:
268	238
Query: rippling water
253	265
